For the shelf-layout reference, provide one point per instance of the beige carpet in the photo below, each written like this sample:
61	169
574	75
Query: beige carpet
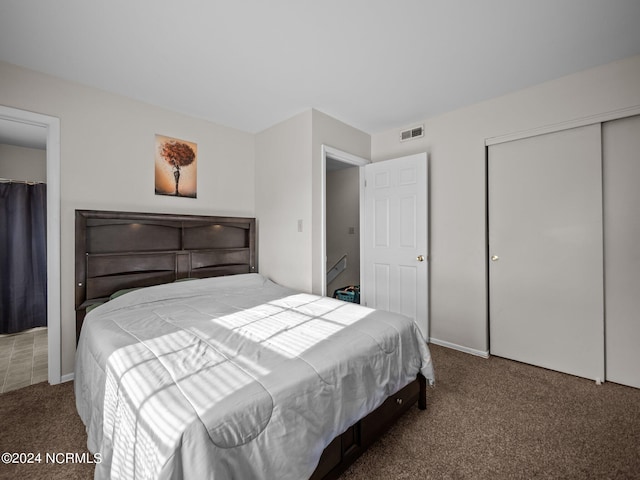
42	419
499	419
486	419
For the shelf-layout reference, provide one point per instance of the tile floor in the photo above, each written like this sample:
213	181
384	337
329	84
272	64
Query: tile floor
23	359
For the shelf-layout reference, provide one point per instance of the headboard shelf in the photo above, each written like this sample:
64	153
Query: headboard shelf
118	250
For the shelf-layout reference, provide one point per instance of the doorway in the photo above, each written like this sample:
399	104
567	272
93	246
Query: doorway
13	121
341	179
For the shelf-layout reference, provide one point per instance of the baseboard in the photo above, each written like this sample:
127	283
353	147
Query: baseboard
67	378
472	351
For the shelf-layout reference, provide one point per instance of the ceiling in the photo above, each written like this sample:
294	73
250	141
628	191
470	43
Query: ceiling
373	64
22	134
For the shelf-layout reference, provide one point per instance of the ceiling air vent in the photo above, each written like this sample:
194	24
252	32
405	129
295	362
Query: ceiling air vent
411	133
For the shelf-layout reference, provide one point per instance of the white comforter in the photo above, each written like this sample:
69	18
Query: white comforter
233	378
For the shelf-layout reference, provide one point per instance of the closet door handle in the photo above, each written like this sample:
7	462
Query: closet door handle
495	258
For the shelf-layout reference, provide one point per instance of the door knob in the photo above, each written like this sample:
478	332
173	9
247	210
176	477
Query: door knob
420	258
495	258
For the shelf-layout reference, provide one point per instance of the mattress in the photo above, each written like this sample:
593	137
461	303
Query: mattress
233	377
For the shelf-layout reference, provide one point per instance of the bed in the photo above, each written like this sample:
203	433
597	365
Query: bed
190	364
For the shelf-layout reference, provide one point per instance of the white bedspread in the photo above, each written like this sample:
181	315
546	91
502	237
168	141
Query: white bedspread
233	378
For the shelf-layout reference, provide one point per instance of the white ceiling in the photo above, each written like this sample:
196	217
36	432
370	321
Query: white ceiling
374	64
22	134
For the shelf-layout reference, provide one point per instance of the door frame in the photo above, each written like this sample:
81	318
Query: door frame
52	124
344	157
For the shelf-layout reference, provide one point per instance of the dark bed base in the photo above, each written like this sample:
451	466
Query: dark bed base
118	250
346	448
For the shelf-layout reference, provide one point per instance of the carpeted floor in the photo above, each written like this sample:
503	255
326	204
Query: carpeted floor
42	419
486	419
498	419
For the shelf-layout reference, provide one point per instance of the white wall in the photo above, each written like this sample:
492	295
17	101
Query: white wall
288	188
107	162
21	163
455	142
283	197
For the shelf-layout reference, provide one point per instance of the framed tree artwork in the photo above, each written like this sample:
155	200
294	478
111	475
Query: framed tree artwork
176	167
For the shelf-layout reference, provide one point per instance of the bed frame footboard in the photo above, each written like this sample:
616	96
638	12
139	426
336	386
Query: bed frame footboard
346	448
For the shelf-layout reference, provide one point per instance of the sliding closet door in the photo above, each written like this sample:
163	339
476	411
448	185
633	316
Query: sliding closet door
621	150
546	253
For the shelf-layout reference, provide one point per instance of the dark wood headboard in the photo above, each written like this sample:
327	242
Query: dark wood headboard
118	250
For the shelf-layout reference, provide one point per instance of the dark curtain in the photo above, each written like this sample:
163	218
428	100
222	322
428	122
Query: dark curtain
23	256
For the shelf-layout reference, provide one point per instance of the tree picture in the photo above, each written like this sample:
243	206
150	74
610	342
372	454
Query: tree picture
175	167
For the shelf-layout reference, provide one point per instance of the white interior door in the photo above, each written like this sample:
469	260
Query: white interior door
394	270
621	149
546	252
